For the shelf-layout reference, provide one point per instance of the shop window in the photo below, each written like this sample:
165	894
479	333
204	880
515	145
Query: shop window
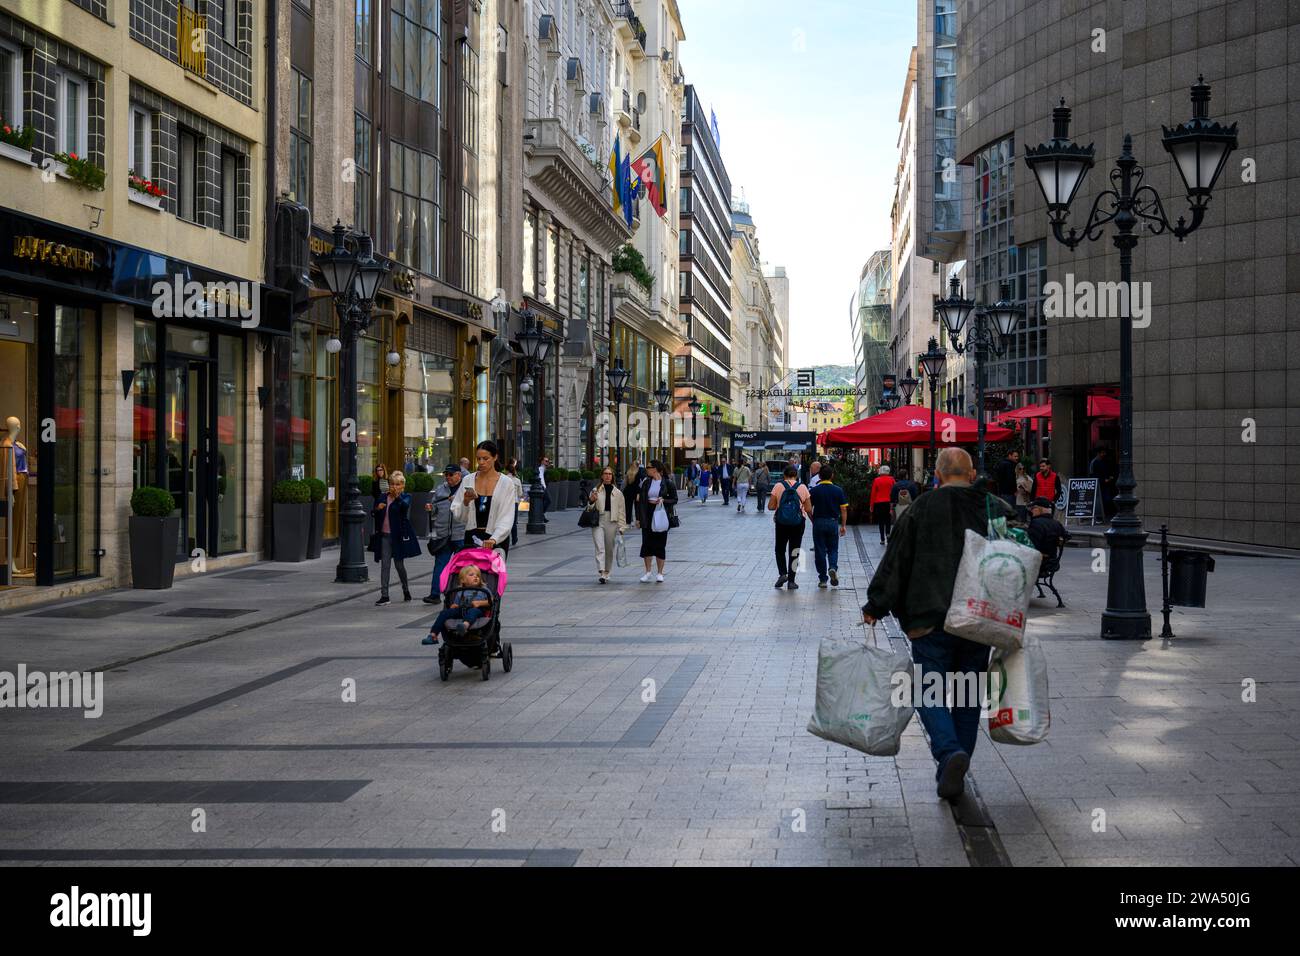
74	452
230	444
428	426
361	156
229	192
300	144
71	103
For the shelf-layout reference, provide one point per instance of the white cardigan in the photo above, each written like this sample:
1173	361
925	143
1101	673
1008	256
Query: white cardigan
501	514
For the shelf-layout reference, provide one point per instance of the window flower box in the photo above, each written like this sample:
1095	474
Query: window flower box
16	142
80	170
144	191
144	199
16	153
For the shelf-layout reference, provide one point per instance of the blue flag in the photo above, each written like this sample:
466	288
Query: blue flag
625	188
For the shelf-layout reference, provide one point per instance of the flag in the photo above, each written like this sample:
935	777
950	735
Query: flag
615	180
650	169
626	188
713	127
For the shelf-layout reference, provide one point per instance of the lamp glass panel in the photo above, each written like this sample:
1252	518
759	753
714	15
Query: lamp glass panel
337	273
369	275
1188	160
1004	319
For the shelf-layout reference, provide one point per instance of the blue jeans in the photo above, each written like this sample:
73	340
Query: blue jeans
470	614
951	728
826	545
440	560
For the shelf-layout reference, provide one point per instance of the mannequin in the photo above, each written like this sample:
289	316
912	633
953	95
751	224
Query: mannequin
17	474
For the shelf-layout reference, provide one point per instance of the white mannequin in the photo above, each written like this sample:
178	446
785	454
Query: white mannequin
16	478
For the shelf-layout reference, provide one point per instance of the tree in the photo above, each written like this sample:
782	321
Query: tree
850	409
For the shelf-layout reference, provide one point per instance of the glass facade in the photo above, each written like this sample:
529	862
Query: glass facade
428	418
947	190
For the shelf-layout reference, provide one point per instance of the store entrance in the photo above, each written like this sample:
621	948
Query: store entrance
187	404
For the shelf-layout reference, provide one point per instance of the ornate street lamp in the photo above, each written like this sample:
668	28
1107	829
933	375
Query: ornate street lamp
617	377
908	385
932	362
352	278
535	346
662	395
988	333
1200	149
716	416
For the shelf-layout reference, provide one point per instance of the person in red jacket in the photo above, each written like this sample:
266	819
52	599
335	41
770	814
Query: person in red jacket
881	488
1047	483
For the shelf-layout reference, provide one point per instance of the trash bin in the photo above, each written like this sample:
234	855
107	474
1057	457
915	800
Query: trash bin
1187	571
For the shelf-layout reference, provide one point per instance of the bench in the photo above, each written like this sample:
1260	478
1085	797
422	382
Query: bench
1047	573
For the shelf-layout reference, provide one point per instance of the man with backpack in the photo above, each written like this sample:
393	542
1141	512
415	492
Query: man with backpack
903	493
791	503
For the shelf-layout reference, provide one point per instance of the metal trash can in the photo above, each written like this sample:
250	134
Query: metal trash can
1187	577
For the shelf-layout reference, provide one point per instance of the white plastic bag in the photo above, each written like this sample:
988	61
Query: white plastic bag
1019	712
620	551
990	597
659	523
855	684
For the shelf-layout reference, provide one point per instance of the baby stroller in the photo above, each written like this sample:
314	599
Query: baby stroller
475	644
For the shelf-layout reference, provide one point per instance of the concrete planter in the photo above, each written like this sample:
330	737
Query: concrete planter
153	551
316	532
419	516
290	529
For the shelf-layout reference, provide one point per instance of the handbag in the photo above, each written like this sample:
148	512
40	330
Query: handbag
435	546
620	551
660	523
590	518
673	520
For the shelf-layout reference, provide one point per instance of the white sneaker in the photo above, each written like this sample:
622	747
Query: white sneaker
645	578
659	579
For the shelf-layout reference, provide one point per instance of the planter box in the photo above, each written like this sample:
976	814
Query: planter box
420	517
153	551
290	530
316	532
16	153
144	199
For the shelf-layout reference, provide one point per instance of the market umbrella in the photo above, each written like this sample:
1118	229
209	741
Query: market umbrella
910	425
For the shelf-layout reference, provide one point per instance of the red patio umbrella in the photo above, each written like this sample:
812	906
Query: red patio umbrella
1099	406
910	425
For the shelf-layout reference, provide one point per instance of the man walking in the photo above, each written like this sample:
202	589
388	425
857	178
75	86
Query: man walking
744	477
830	517
546	495
724	480
1047	483
446	534
791	505
1005	478
814	474
915	581
762	485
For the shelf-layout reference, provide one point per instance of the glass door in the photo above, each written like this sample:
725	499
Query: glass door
188	438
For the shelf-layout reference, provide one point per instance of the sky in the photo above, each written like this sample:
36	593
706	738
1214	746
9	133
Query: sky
807	98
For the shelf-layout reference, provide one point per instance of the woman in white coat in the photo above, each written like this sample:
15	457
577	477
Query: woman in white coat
487	502
608	502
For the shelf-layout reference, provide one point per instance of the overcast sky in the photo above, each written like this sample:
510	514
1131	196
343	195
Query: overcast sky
807	98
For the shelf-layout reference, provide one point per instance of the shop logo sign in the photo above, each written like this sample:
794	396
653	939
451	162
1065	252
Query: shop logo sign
53	253
213	300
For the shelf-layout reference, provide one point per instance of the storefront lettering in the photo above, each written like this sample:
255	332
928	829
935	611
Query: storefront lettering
54	253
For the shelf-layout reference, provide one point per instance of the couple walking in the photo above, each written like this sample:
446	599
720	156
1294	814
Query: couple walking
654	500
792	503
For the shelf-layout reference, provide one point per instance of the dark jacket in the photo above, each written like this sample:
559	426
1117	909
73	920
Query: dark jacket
1005	477
644	511
916	576
405	542
631	491
1046	533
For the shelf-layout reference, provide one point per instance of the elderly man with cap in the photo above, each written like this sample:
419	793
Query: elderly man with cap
1046	533
446	534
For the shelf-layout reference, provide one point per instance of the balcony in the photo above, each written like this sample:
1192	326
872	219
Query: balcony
623	110
555	163
629	27
634	131
192	40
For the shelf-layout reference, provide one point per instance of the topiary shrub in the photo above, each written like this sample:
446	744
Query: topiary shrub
420	481
291	492
316	489
150	501
589	475
366	483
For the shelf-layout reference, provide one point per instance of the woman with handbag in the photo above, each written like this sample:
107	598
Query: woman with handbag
606	516
487	503
657	502
395	537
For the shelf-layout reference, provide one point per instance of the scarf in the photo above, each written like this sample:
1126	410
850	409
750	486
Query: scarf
609	489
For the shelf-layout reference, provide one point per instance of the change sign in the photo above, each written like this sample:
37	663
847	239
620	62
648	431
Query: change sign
1081	499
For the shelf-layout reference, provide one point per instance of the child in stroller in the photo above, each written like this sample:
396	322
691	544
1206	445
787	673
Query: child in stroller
468	602
472	584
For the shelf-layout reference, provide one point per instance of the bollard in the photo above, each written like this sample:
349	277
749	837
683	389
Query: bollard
536	520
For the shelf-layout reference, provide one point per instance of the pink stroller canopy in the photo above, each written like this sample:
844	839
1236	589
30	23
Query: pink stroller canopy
489	561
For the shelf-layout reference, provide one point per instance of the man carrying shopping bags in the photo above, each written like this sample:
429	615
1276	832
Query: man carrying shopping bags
915	582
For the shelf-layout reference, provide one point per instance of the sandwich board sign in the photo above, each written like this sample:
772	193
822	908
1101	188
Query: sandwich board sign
1081	500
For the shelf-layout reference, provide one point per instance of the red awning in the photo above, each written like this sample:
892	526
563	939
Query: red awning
910	425
1099	406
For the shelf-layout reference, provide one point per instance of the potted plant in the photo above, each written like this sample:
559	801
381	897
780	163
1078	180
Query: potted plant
144	191
290	520
153	531
316	513
16	141
80	170
420	486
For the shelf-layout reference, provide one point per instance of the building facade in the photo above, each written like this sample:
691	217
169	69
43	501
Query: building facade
778	282
702	367
646	330
870	326
756	334
133	310
1215	370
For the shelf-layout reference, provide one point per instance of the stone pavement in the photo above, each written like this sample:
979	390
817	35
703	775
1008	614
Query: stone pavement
565	761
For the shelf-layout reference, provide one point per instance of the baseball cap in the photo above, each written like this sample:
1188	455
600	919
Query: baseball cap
1041	503
451	467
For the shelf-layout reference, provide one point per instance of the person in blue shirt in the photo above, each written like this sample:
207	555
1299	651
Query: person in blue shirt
830	518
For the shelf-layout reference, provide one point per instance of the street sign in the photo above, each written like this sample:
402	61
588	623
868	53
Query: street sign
805	378
1081	500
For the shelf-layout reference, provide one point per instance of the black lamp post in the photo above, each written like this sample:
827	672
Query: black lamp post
716	416
617	377
1200	149
932	362
988	333
908	386
352	278
535	347
661	396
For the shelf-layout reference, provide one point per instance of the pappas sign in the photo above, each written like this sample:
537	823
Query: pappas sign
1081	499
